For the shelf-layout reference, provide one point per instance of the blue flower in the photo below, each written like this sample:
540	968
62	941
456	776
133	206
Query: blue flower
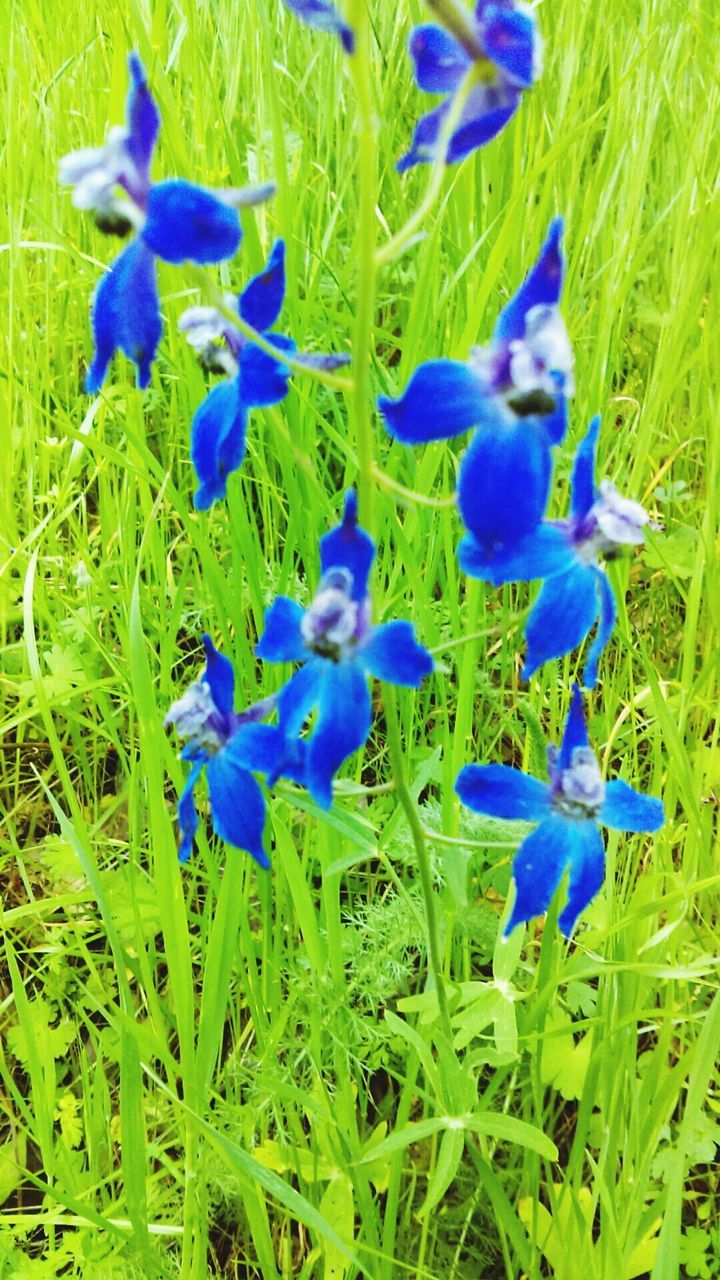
500	46
175	221
576	592
323	15
339	647
569	809
227	745
514	393
254	378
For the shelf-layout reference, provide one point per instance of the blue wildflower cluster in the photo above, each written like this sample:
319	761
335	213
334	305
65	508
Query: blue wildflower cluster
512	394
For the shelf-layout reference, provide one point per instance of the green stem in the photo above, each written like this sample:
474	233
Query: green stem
367	234
457	19
395	751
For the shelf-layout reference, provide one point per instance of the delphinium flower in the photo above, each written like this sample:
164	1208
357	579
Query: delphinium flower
227	745
514	392
576	592
570	809
254	378
499	44
175	220
339	647
323	15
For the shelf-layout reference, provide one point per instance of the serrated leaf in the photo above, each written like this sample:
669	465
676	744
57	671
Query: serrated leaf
563	1062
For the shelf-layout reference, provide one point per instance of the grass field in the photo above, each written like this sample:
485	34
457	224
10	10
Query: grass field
210	1070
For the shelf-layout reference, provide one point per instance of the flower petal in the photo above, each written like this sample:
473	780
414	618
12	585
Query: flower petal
343	725
575	731
126	314
608	615
187	223
541	287
143	119
393	654
217	441
237	805
504	483
349	547
561	617
554	423
587	871
509	38
540	554
263	748
442	398
281	640
297	698
424	145
264	379
219	674
262	298
625	809
538	868
323	15
583	476
187	813
502	792
440	62
488	109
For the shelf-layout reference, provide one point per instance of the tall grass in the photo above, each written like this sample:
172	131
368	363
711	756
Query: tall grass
198	1064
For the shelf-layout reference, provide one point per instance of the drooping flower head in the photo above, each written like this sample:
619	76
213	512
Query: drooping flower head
514	392
323	15
227	746
569	809
498	46
576	592
254	378
175	220
338	645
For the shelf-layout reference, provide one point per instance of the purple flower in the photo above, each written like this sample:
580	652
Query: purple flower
513	392
175	220
254	378
576	591
323	15
498	44
339	647
569	810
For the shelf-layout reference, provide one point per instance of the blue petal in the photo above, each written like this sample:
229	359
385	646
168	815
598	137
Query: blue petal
625	809
325	363
488	109
297	698
219	674
217	441
261	300
608	615
424	145
538	868
393	654
264	379
542	553
143	118
187	223
583	476
561	617
343	725
508	38
541	287
126	314
263	748
504	483
575	732
440	62
587	871
502	792
281	640
442	398
554	423
237	805
324	17
187	813
349	547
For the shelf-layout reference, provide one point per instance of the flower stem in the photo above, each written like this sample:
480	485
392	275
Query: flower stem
417	831
457	19
359	65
